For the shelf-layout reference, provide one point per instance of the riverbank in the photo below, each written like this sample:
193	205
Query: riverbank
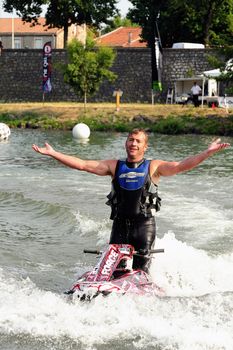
165	119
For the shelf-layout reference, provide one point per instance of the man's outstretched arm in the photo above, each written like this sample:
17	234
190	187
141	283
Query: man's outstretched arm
164	168
98	167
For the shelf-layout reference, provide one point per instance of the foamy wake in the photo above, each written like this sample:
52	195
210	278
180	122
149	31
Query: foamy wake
186	271
193	315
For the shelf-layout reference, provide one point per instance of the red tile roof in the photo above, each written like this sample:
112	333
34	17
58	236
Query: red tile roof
24	27
122	37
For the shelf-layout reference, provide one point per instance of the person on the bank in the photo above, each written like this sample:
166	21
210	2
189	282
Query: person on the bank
196	91
134	197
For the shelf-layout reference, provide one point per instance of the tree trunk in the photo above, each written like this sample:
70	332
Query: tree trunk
207	22
66	27
85	101
154	68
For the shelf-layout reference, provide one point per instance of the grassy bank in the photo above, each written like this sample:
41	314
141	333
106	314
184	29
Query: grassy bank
166	119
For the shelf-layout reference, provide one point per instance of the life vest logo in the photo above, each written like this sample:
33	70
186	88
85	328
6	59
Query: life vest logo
131	175
112	258
132	180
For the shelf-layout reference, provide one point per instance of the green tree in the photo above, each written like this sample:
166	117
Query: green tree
63	13
88	66
227	77
205	21
224	61
146	14
168	21
117	22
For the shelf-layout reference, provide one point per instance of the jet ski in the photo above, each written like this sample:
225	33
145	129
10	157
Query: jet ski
113	273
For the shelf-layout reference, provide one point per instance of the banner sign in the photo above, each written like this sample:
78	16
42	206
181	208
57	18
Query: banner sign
47	67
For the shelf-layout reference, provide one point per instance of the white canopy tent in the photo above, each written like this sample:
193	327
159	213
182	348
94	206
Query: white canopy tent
207	80
213	86
213	73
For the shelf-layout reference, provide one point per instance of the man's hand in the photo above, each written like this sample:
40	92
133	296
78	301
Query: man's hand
172	168
47	150
217	146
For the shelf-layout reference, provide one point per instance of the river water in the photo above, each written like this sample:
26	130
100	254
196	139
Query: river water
49	213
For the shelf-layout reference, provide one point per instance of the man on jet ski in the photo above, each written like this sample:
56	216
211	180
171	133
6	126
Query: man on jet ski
134	197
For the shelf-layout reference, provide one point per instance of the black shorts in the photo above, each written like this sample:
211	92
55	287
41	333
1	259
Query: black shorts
140	233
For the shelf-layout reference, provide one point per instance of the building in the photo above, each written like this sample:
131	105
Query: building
122	37
17	34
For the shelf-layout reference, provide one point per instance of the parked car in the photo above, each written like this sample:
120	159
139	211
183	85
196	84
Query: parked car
184	99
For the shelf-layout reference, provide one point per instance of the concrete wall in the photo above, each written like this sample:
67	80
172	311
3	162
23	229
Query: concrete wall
21	74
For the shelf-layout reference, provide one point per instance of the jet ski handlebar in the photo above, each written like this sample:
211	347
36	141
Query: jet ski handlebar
152	251
90	251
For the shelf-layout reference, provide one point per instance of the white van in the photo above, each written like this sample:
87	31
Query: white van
188	46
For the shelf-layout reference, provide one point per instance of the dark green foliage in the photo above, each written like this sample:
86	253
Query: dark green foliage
205	21
224	61
117	22
172	125
88	66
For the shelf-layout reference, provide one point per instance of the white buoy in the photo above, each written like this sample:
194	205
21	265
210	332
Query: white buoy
81	131
4	132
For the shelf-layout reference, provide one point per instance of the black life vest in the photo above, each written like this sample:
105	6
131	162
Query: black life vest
133	192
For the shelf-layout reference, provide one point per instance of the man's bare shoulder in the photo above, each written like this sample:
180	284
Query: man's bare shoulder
155	163
154	173
111	164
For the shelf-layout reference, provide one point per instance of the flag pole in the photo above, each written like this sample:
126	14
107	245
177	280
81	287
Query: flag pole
13	31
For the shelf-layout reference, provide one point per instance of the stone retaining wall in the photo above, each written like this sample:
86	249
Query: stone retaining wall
21	74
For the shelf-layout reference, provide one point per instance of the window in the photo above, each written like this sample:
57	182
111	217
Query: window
17	43
38	43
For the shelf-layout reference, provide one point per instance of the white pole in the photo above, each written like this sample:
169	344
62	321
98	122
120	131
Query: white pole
13	31
202	93
85	34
